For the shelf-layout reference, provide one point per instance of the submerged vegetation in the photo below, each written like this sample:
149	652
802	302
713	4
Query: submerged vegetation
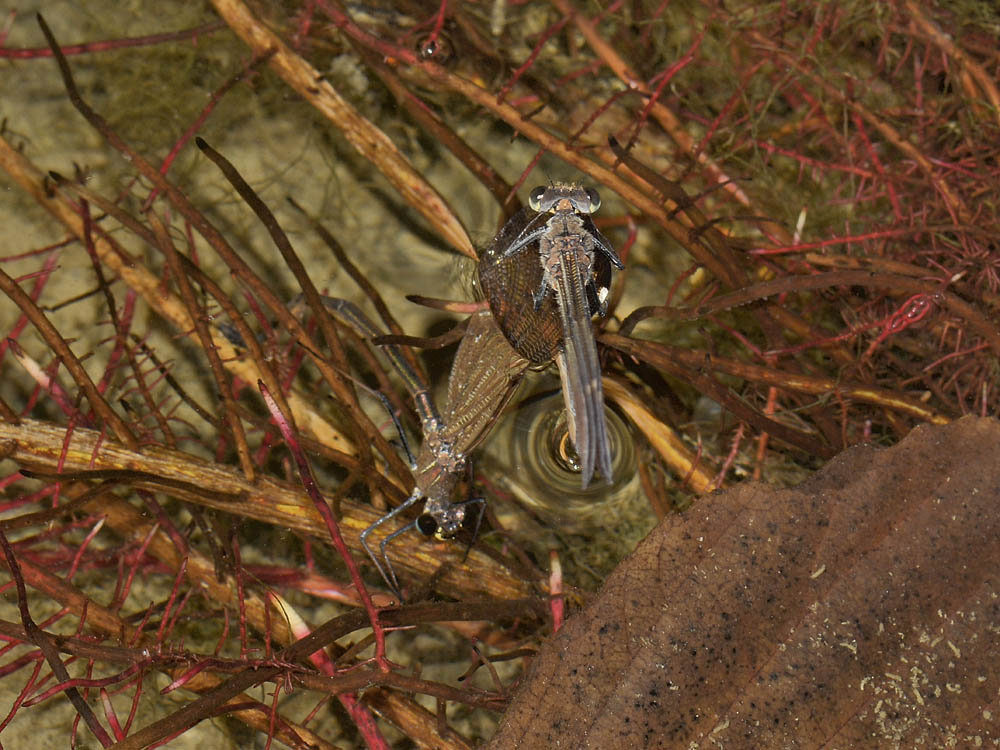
805	196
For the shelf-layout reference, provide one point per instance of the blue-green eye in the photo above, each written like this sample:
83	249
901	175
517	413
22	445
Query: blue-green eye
595	199
535	198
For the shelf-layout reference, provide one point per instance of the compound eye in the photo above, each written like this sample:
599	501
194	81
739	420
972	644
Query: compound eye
535	198
595	199
426	525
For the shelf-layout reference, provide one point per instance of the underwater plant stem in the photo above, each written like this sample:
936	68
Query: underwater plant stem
369	140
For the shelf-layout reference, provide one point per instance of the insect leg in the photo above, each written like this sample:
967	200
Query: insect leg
388	574
350	314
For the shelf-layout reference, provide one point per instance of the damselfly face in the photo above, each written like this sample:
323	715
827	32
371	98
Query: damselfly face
581	200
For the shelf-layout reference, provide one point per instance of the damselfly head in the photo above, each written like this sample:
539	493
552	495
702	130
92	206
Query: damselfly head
441	519
581	200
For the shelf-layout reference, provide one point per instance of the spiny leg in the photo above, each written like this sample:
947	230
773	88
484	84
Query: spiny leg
524	240
481	502
410	459
386	571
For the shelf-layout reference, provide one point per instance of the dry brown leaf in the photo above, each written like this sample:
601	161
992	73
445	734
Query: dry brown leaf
858	610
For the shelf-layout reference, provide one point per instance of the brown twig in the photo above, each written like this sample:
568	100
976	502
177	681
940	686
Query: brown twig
370	142
40	446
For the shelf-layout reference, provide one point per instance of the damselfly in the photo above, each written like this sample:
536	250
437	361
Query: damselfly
545	275
483	378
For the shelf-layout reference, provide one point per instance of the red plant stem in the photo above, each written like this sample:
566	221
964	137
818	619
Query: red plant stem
309	483
664	78
546	35
29	685
165	617
527	171
592	117
84	682
68	359
110	44
140	629
364	721
438	23
851	169
41	639
850	333
886	179
727	108
953	355
193	128
136	698
587	70
734	450
51	263
109	714
82	548
44	379
137	556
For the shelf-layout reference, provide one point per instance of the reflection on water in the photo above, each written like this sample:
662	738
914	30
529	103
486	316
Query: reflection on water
531	452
